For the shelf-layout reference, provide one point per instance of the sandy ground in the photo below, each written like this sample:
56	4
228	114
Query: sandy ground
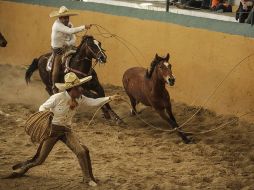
128	157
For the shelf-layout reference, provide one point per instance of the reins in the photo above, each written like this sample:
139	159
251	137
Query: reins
85	58
76	71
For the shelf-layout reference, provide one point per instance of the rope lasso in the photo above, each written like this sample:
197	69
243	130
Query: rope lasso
108	34
124	42
175	129
220	126
215	90
178	129
208	98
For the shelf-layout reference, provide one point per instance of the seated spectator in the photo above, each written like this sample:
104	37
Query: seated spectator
243	10
194	3
214	4
220	6
190	4
205	4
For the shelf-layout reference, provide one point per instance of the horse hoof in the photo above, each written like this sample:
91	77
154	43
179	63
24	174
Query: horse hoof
107	116
121	123
14	175
189	141
17	166
188	133
132	112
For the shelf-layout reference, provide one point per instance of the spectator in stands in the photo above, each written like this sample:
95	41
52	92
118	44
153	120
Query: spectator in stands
205	4
221	6
189	4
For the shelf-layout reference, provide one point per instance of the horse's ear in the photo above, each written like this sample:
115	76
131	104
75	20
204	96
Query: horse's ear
167	57
156	56
147	73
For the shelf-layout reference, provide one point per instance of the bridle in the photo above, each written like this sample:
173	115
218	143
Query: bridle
96	55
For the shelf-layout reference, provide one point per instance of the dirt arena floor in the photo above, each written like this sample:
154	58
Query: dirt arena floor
128	157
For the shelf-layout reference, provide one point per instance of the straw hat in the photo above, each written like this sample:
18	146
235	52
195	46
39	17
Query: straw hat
63	11
71	80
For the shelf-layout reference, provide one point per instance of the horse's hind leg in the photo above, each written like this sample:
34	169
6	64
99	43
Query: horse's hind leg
133	105
106	109
95	94
44	74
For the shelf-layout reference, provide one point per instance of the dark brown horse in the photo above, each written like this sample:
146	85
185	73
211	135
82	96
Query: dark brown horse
3	42
148	88
81	63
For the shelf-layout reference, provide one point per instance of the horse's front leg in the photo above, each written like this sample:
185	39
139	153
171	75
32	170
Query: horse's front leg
171	116
173	124
170	113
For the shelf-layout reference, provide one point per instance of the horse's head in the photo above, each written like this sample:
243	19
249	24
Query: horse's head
163	69
93	49
3	42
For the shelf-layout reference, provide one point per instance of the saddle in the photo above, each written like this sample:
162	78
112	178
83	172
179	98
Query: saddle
66	57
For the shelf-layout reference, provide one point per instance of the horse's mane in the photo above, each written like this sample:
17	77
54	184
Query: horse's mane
84	38
154	63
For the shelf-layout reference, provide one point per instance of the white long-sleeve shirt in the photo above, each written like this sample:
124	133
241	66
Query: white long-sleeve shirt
63	35
58	104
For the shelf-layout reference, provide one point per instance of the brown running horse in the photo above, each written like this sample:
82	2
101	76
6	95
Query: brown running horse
3	42
148	87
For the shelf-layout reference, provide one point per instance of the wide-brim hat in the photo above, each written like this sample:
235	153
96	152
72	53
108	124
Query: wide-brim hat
63	11
71	80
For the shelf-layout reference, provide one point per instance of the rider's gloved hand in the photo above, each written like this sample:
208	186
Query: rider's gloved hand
115	97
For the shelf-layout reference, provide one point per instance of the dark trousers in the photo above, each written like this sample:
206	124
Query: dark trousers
70	139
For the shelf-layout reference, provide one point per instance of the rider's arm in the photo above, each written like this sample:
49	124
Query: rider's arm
67	30
93	101
50	103
72	41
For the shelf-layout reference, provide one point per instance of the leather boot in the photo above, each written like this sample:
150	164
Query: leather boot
86	167
55	73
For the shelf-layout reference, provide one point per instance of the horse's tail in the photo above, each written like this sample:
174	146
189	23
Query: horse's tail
33	67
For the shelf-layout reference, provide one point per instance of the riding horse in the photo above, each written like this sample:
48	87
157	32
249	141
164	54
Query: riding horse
3	42
81	64
148	87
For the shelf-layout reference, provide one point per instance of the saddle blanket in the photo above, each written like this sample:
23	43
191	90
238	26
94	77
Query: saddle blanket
65	60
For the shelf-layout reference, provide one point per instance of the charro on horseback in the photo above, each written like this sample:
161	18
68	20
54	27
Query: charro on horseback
63	39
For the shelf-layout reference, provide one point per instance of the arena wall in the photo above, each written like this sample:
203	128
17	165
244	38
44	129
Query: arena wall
202	51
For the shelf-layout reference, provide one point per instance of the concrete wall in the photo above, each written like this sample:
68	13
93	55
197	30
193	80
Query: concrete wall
200	57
